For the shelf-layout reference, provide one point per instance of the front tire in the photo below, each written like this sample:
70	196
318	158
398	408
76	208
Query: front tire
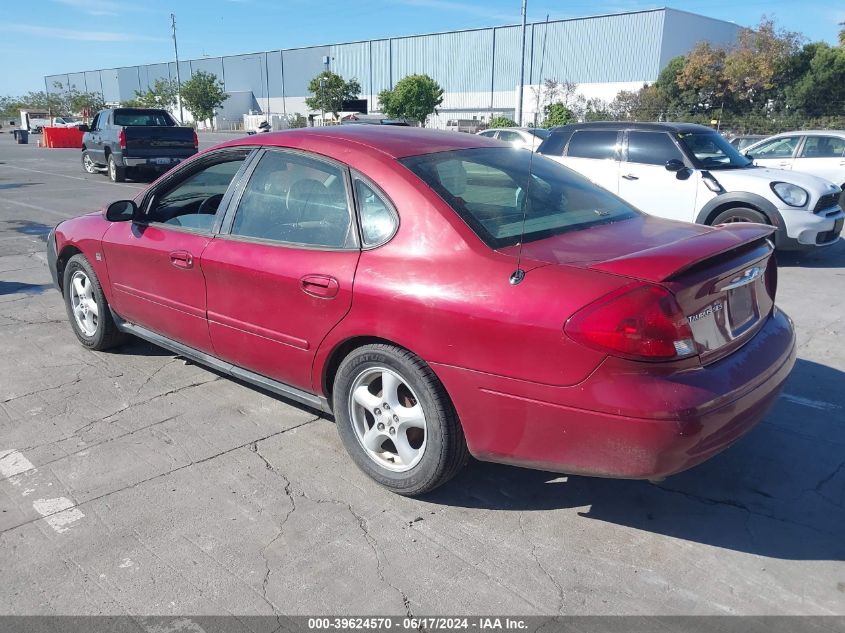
396	420
740	214
88	163
87	307
116	172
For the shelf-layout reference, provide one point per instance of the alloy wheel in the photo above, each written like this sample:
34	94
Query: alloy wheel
388	419
83	304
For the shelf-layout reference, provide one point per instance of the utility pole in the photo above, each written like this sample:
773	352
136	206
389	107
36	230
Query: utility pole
326	60
178	78
521	70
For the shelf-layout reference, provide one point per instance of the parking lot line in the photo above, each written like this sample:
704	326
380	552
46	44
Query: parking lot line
96	182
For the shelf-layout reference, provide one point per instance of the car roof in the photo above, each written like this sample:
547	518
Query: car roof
392	141
810	133
627	125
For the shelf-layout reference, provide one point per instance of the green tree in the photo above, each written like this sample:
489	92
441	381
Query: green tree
329	91
821	89
557	114
162	94
502	121
413	97
296	120
202	94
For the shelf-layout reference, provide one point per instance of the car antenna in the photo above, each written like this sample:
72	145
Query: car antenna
518	275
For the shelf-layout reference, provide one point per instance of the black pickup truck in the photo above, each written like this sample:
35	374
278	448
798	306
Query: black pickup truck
123	140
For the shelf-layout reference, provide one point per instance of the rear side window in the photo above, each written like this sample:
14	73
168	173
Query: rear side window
823	147
652	148
295	199
378	220
598	144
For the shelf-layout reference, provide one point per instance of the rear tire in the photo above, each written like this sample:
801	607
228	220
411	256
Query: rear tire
116	172
87	307
414	444
739	214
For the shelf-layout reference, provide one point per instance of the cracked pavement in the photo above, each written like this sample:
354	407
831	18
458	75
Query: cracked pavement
134	482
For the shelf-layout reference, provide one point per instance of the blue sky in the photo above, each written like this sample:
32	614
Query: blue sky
74	35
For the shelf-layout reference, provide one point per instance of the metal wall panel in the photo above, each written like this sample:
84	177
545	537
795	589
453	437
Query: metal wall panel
459	61
273	61
111	87
380	67
682	30
352	61
213	65
301	66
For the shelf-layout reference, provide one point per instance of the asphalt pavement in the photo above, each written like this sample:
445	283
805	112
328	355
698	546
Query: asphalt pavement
169	489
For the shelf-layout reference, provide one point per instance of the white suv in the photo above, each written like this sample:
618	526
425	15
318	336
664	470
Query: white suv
683	171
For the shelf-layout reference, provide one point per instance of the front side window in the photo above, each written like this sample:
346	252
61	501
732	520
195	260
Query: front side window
778	148
712	151
652	148
598	144
489	134
823	147
295	199
509	137
193	202
492	189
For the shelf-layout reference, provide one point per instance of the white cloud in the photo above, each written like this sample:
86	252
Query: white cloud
92	7
83	35
461	7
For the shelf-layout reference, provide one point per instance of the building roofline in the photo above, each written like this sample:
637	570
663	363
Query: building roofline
397	37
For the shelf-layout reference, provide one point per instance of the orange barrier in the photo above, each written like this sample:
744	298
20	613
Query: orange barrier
62	137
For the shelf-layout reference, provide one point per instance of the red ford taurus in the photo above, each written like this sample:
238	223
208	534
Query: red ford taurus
442	295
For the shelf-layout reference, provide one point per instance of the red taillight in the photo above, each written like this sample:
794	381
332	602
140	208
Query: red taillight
121	138
641	321
196	140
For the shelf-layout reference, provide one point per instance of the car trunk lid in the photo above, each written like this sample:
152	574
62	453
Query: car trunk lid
723	278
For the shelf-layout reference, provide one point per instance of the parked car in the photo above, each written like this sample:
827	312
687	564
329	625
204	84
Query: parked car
817	152
742	141
124	141
521	137
34	120
502	306
683	171
470	126
67	121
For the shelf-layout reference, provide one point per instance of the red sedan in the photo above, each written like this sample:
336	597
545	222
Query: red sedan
442	295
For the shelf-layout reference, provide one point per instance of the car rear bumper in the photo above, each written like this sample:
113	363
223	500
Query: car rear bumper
622	421
153	161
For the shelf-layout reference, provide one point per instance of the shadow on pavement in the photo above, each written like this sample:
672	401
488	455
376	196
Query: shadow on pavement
14	287
832	256
778	492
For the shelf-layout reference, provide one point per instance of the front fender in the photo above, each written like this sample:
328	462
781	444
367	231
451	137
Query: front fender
745	199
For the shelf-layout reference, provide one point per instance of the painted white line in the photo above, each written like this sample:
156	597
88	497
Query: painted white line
59	513
52	173
13	463
821	405
26	205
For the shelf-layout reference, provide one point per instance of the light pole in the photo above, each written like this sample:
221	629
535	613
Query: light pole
521	70
178	78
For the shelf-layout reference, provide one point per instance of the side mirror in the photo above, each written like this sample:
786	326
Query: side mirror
675	165
122	211
748	156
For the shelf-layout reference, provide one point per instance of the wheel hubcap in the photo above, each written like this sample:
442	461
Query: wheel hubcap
83	304
733	219
89	164
111	168
388	419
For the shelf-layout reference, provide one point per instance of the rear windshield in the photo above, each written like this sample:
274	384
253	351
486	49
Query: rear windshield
539	132
491	189
150	118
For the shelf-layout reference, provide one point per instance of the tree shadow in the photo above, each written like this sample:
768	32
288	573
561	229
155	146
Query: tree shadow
18	185
778	492
15	287
28	227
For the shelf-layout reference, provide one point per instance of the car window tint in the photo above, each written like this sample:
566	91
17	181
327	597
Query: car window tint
193	202
295	199
652	148
378	221
499	193
509	137
778	148
600	144
149	118
823	147
489	134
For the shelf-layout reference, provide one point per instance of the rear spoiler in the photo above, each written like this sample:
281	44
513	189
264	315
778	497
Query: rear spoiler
663	262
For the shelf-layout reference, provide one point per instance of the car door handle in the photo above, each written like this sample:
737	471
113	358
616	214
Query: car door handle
182	259
630	177
320	286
